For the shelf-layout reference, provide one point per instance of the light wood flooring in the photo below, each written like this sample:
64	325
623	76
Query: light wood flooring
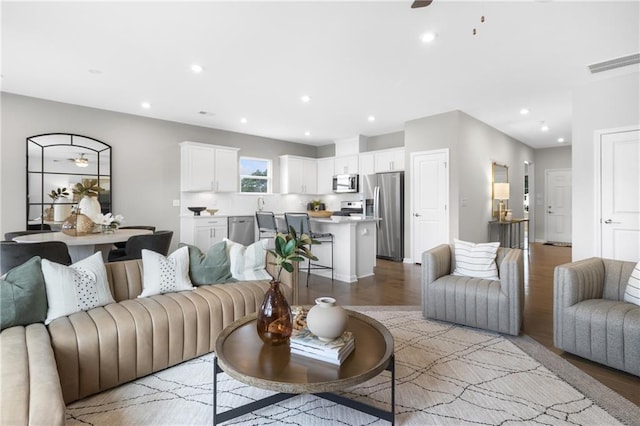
396	283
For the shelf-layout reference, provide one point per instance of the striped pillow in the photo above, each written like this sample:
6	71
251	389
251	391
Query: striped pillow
632	291
248	263
476	260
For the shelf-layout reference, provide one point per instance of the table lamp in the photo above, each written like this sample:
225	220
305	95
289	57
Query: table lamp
501	193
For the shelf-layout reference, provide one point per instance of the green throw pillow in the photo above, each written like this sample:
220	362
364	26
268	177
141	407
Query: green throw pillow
212	267
23	296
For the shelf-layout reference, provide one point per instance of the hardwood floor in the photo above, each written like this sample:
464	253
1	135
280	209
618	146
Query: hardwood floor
396	283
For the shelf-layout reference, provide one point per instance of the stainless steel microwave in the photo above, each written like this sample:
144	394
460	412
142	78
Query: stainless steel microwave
345	183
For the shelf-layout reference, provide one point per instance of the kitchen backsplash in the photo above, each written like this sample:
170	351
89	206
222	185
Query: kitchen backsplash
229	204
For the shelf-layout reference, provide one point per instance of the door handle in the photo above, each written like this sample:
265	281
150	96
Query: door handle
549	211
416	214
610	222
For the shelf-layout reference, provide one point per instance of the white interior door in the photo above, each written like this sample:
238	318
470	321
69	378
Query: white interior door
558	203
430	196
620	195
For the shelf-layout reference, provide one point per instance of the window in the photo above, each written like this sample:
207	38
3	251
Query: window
255	175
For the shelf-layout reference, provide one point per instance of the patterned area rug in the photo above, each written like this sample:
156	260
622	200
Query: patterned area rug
445	374
555	244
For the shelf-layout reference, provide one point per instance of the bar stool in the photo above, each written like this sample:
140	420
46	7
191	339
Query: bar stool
267	225
301	224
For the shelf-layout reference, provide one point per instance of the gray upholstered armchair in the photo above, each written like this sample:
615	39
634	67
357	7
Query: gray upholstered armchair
488	304
590	317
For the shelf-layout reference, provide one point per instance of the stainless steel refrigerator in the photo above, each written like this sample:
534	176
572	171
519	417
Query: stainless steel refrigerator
384	198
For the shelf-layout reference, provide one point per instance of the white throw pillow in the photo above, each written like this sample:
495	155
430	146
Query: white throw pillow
248	263
165	274
79	287
632	291
476	260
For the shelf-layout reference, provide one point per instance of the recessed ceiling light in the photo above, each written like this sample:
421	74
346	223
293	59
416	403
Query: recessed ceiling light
307	133
197	68
305	98
560	140
428	37
524	111
243	120
145	105
371	118
544	128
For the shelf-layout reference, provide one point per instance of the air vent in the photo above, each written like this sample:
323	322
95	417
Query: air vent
622	61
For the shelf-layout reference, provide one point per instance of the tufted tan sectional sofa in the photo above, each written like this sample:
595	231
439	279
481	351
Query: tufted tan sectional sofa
43	368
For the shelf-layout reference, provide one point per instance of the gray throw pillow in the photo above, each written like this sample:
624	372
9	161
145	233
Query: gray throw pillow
23	296
212	267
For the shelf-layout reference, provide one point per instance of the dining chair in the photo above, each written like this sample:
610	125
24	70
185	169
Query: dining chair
121	245
158	242
38	227
13	254
302	225
267	225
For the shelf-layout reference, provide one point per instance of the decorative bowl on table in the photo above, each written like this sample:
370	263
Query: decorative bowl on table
320	213
212	211
196	210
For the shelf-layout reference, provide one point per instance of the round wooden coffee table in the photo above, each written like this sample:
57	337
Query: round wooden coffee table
242	355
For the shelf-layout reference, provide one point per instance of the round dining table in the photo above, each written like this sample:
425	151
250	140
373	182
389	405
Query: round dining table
85	245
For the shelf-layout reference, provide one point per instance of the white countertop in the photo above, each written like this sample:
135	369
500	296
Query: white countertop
209	216
332	219
344	219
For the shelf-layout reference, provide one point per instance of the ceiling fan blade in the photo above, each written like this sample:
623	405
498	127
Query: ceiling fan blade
421	3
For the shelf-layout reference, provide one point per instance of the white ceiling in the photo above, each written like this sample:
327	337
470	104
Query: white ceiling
354	59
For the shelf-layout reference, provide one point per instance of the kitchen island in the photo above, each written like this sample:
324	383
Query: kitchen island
354	240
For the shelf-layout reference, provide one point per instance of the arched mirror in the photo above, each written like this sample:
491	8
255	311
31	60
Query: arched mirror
60	160
500	192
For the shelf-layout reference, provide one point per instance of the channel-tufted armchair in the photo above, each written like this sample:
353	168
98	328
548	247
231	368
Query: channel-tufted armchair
495	305
591	318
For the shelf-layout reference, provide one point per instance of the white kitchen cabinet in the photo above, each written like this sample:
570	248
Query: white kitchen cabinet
203	231
298	175
366	164
345	165
325	175
226	170
389	160
205	167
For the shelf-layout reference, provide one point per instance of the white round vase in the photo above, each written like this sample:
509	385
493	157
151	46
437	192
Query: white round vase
326	319
90	207
61	211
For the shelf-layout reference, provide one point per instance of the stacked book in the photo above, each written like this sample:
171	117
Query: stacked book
305	343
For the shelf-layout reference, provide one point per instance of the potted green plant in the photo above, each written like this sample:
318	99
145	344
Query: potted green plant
274	321
58	193
87	188
86	193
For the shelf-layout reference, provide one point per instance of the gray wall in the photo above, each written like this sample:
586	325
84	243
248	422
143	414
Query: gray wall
480	145
146	156
325	151
426	134
473	147
388	140
545	159
600	105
